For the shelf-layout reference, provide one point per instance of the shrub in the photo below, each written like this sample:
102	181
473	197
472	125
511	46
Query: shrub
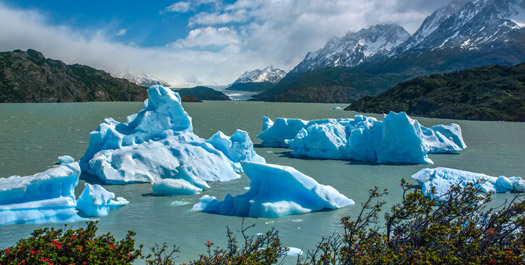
81	246
462	229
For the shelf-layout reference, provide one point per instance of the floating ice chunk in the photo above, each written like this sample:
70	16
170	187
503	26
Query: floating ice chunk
65	159
281	130
402	141
267	123
97	201
275	191
181	184
238	147
48	196
337	108
159	139
321	141
444	138
294	252
396	139
442	178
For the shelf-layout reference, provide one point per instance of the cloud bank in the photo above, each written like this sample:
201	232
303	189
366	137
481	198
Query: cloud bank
222	41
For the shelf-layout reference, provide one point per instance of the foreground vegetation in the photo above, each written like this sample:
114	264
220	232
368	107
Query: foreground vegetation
459	228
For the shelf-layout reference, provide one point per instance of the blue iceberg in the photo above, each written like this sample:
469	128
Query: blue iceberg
48	196
396	139
442	178
97	201
153	143
275	191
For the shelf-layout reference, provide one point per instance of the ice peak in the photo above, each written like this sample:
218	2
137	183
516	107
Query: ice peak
268	74
354	47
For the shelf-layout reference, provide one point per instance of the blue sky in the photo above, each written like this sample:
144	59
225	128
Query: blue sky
193	42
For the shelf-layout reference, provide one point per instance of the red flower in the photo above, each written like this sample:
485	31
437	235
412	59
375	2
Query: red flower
509	251
32	251
7	250
79	248
112	246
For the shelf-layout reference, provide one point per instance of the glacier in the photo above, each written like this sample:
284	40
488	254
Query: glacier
48	196
152	144
396	139
275	191
97	201
442	178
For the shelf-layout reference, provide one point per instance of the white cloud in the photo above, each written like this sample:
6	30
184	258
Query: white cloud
221	43
209	37
187	6
121	32
180	7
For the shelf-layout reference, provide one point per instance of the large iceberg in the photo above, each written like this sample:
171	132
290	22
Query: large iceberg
441	179
97	201
152	144
396	139
275	191
48	196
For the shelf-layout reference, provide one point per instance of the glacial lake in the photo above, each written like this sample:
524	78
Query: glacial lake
34	135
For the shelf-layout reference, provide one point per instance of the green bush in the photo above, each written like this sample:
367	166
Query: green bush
81	246
463	229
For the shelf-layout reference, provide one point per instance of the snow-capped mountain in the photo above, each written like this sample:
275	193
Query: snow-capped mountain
468	25
354	48
142	79
268	74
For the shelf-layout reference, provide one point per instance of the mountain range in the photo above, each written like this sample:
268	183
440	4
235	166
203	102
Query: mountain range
257	80
460	35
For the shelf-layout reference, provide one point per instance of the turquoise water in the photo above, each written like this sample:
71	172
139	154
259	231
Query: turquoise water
34	135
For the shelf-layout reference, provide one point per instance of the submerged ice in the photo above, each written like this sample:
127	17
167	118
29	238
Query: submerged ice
153	144
396	139
275	191
440	179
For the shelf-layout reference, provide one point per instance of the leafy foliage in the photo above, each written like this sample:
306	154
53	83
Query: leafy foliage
483	93
460	230
80	246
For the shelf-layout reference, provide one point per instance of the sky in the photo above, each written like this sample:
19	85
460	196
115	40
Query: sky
193	42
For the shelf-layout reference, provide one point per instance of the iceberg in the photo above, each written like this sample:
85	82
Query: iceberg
278	132
65	159
237	148
181	184
275	191
396	139
442	178
153	143
48	196
97	201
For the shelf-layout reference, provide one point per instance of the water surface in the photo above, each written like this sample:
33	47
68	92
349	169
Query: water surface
32	136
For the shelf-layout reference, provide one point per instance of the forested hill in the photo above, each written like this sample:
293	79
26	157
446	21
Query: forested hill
481	93
27	76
